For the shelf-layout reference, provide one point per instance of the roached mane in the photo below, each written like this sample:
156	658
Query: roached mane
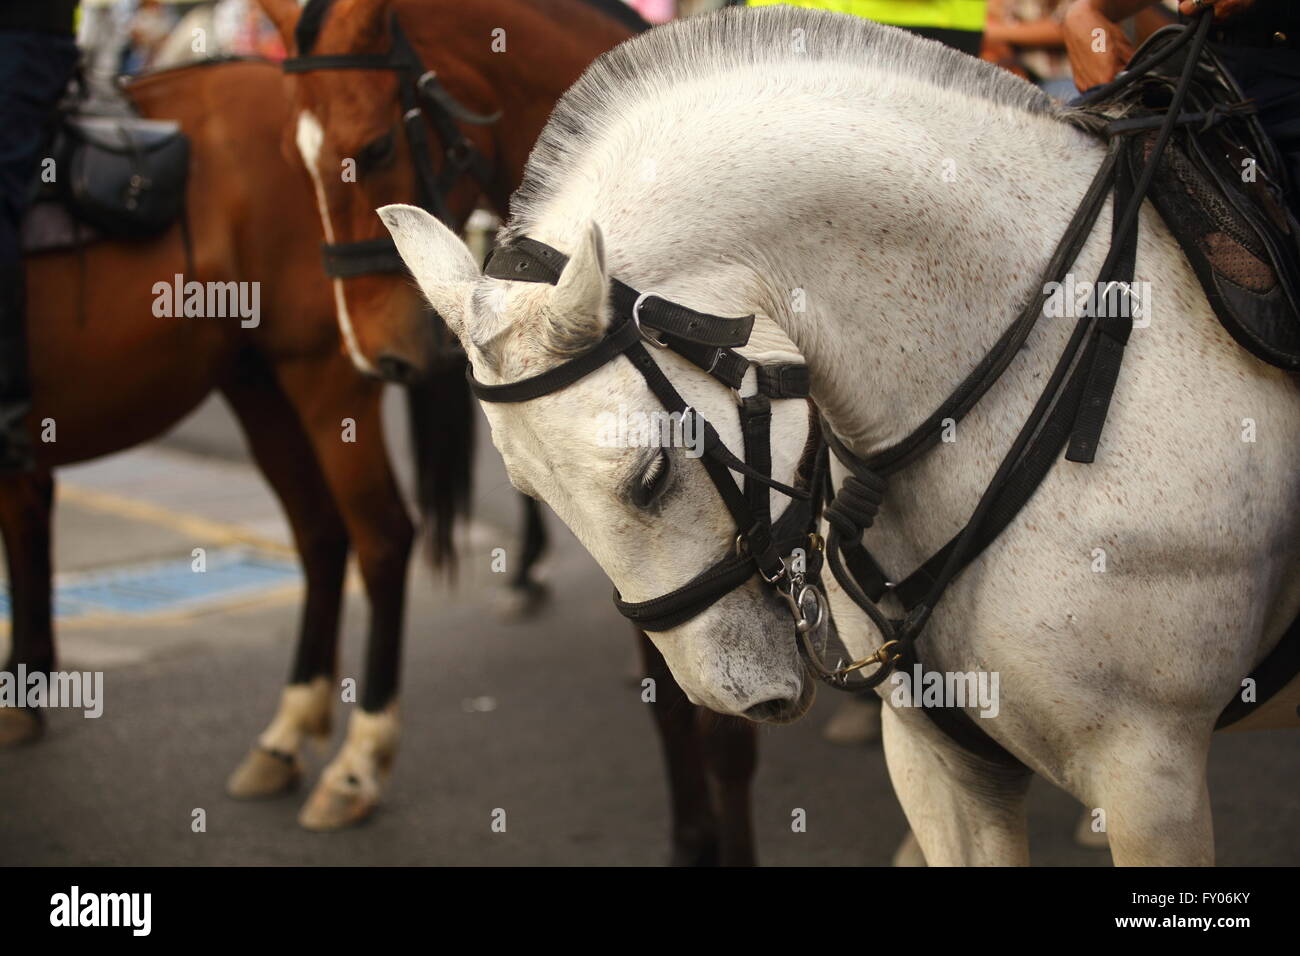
716	44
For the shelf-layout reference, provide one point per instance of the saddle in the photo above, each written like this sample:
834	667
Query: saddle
119	177
1219	187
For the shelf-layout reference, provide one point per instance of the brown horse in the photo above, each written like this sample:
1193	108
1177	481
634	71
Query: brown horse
498	67
110	374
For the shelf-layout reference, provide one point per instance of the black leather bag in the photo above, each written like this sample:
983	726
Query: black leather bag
124	176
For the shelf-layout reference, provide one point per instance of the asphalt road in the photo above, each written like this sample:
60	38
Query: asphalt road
543	719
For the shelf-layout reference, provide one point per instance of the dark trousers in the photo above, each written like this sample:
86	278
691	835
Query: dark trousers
1271	77
34	71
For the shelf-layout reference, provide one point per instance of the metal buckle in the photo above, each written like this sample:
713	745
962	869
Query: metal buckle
776	577
636	320
801	623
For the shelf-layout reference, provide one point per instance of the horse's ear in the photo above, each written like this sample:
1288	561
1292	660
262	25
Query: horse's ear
577	313
442	264
284	15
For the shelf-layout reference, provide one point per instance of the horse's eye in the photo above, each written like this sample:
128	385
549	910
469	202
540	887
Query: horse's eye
378	152
650	484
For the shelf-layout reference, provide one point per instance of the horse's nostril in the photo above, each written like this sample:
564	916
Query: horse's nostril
394	369
768	709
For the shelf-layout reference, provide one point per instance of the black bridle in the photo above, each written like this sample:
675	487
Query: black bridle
707	341
422	98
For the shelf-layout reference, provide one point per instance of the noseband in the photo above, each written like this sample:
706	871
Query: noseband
707	341
422	96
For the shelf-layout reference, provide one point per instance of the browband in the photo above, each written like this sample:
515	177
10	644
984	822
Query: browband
704	340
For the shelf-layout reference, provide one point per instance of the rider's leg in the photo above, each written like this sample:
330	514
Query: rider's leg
1271	77
34	70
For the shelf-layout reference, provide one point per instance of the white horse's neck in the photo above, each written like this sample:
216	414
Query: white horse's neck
892	230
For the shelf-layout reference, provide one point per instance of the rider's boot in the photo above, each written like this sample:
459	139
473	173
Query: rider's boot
15	385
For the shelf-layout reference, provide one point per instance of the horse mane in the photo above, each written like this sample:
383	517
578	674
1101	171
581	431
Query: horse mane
713	45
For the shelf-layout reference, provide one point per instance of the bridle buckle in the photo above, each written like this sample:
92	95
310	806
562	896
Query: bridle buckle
636	320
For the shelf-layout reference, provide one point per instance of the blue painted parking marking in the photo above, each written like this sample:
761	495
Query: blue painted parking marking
161	586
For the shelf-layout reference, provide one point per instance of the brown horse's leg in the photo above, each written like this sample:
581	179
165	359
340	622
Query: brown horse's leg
731	755
26	505
282	451
342	415
694	823
527	595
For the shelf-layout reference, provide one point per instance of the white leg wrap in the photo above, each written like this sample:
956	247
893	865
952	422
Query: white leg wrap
304	711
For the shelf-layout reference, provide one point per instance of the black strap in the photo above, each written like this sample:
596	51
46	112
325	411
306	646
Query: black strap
756	427
527	260
309	23
1273	673
342	260
783	380
1113	329
1114	324
422	98
617	341
989	369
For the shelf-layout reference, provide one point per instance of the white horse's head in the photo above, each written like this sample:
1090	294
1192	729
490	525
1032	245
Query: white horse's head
621	474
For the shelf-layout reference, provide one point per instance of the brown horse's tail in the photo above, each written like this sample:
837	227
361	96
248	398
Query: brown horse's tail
442	415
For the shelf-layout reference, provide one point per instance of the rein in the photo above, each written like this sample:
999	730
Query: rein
422	97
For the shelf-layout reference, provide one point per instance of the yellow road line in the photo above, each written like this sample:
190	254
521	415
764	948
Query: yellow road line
216	532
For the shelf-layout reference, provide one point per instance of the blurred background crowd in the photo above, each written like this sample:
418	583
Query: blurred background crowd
130	36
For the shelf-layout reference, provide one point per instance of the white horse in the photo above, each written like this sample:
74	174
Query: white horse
888	205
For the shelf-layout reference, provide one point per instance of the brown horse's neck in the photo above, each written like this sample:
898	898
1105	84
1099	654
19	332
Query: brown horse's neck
463	42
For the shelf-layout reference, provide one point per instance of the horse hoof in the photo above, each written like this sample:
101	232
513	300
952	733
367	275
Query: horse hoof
855	724
334	807
264	774
523	602
1088	838
19	726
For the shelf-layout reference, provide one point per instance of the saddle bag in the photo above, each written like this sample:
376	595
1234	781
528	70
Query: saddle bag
123	175
1219	188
